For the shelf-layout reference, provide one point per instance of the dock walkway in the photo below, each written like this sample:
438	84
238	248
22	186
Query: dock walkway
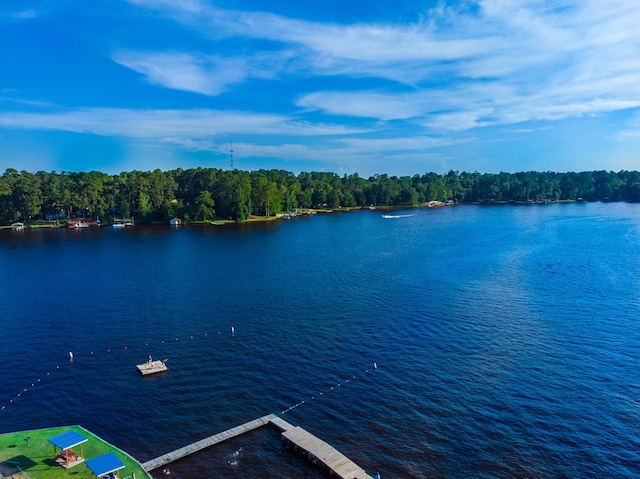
316	449
206	442
319	451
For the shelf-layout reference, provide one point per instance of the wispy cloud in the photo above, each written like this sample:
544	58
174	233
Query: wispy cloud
552	60
478	72
196	72
350	154
180	71
209	130
188	124
631	130
382	106
18	15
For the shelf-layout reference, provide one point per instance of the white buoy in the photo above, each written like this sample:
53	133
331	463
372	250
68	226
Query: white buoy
233	330
375	365
70	355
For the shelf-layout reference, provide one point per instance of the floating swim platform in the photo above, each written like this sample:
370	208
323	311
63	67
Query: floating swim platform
152	367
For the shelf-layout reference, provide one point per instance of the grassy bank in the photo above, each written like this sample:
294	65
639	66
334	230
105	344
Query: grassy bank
36	456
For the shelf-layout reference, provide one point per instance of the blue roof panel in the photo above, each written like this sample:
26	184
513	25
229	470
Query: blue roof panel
104	464
67	439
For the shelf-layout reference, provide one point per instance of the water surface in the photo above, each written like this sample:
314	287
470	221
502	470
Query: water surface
506	339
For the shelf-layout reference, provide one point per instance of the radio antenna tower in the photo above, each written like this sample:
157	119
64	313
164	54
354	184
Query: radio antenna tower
231	155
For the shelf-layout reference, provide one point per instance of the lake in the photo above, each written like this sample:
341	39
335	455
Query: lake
506	339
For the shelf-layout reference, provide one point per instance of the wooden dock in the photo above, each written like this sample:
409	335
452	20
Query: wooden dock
316	449
206	442
319	451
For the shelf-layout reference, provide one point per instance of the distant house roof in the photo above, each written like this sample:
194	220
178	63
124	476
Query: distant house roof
105	464
67	440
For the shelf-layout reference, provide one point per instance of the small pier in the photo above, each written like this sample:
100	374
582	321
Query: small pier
319	451
204	443
316	449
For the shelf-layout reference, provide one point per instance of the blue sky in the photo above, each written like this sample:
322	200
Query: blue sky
397	87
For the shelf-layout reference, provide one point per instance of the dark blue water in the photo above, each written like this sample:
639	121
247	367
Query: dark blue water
507	339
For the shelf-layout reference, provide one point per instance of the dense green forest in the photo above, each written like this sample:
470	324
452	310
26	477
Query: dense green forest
205	194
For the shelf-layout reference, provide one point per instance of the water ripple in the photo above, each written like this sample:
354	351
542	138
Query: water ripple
506	340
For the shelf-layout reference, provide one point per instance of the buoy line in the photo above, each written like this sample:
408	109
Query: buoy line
326	391
71	356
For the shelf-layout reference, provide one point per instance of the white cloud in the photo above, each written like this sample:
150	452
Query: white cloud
349	154
460	120
552	59
404	145
198	73
188	124
190	143
180	71
363	104
631	131
436	110
385	91
18	15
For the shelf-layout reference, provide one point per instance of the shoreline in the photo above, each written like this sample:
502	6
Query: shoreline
313	211
31	450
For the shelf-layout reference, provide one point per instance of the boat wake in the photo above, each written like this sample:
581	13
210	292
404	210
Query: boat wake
397	216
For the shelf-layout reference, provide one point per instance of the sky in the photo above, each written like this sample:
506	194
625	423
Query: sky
398	87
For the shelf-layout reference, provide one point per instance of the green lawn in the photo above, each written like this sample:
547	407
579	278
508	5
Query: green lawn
36	456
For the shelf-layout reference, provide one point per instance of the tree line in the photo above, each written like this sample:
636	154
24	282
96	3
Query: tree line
205	194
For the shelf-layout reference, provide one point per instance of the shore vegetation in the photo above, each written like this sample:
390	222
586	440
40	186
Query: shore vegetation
209	194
